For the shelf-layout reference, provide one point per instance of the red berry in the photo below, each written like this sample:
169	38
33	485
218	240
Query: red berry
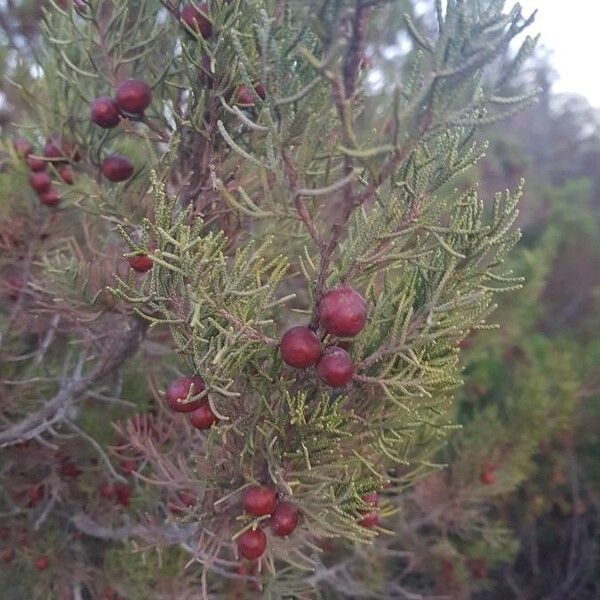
14	284
22	147
343	312
53	151
117	168
40	182
104	111
186	498
50	198
195	17
133	96
478	567
179	390
335	367
140	263
42	563
203	417
259	88
300	347
252	544
36	164
66	174
259	500
285	519
243	95
487	477
7	555
69	470
35	495
123	493
106	490
372	499
369	520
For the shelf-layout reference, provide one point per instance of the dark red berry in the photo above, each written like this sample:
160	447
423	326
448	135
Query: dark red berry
42	563
335	367
300	347
117	168
372	499
343	312
123	493
252	544
14	285
285	519
40	182
36	164
203	417
50	197
259	500
186	498
53	151
195	17
7	555
370	520
66	174
179	390
22	147
35	495
140	263
478	567
69	470
487	477
133	96
243	95
259	88
104	111
106	490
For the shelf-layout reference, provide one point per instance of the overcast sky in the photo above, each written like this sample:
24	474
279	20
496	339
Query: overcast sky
570	28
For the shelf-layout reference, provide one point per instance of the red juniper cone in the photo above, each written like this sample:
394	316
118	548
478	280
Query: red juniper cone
195	17
140	263
178	391
22	147
487	477
42	563
252	544
116	168
106	490
243	95
285	519
123	493
53	151
300	347
343	312
335	367
7	555
259	500
203	417
40	182
66	174
104	111
133	96
369	520
36	164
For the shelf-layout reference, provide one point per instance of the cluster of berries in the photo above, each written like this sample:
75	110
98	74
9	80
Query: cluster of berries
342	313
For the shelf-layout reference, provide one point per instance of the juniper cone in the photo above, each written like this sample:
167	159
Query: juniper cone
324	204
